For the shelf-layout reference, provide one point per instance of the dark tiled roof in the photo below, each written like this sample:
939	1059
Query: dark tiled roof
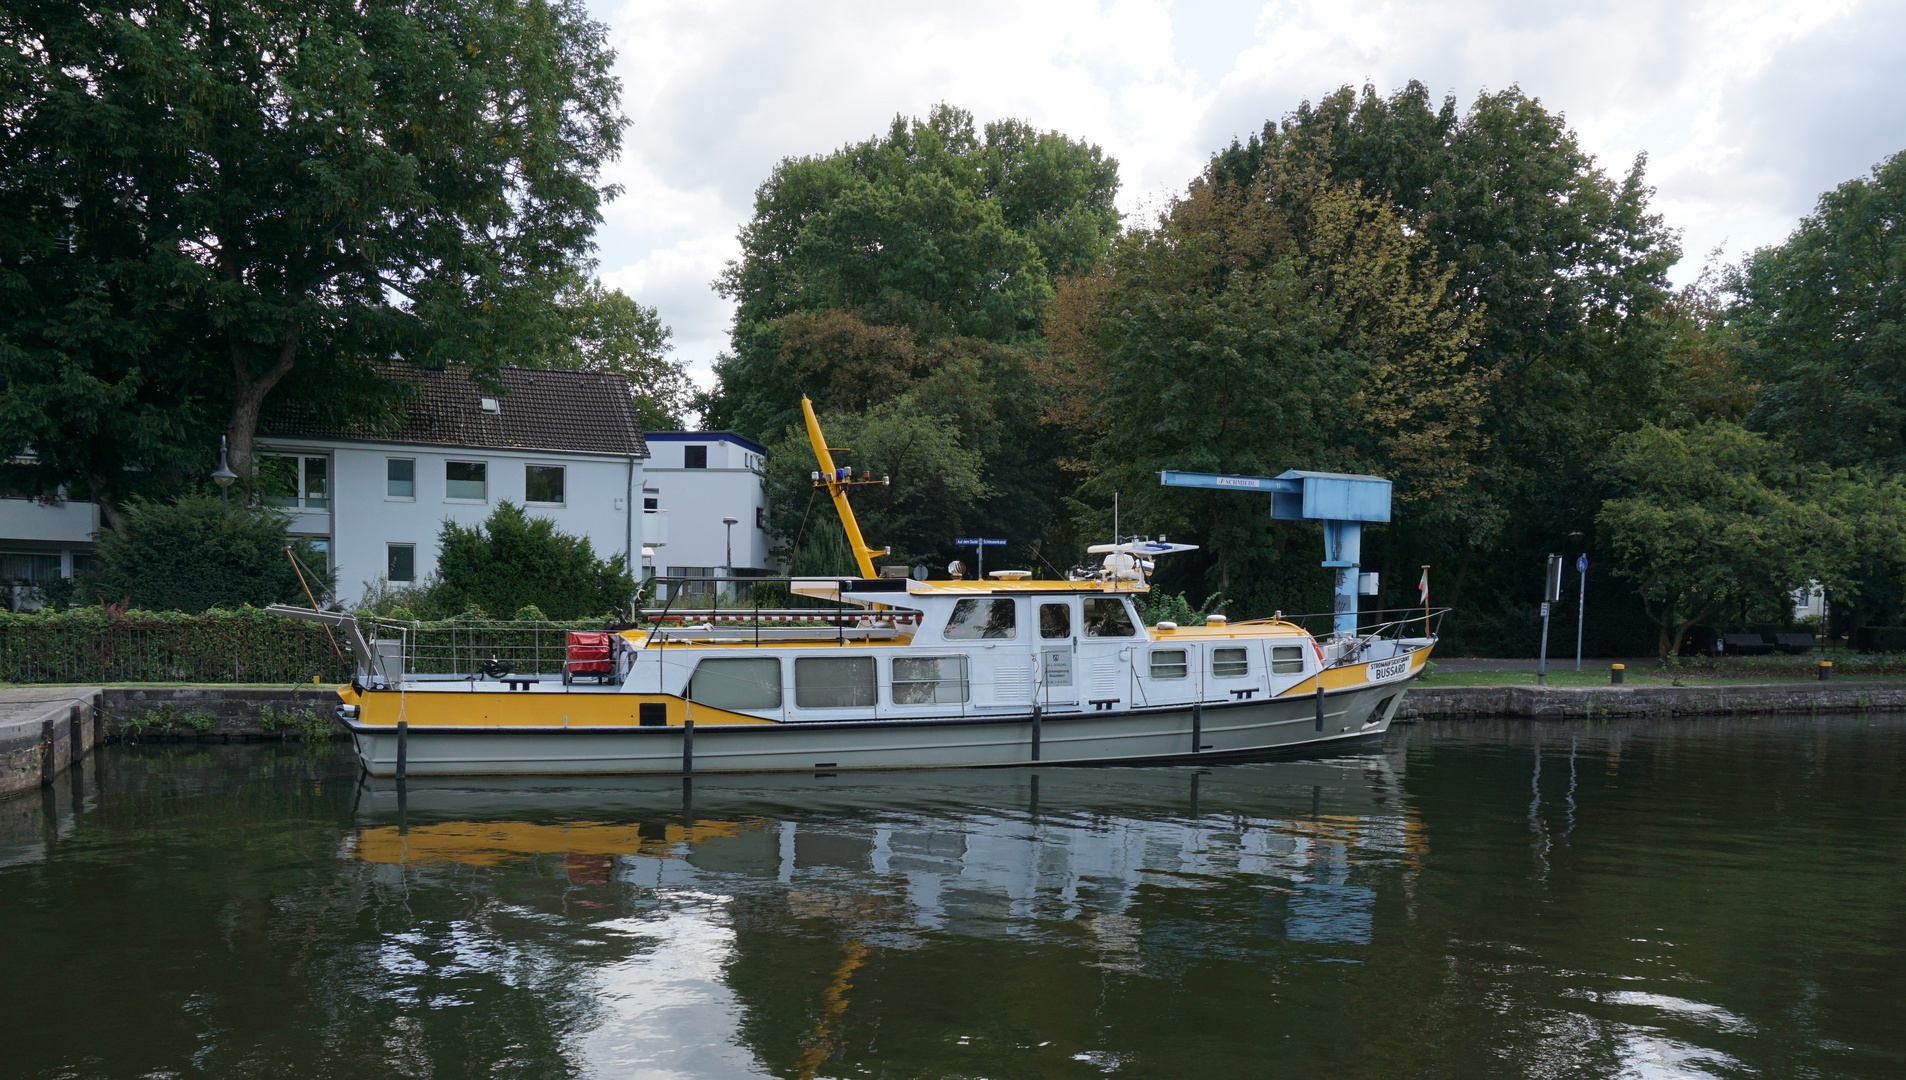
589	412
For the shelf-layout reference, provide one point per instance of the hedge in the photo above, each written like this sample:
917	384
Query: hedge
87	645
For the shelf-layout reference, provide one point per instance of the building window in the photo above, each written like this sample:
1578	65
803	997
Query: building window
295	482
1232	663
401	562
28	567
1287	659
323	550
975	619
400	478
929	680
466	480
543	484
651	503
761	518
737	684
694	457
834	682
1105	616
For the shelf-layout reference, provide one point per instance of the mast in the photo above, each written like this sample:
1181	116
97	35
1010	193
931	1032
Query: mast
837	481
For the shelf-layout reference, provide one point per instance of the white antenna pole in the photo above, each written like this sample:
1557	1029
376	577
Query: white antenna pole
1114	517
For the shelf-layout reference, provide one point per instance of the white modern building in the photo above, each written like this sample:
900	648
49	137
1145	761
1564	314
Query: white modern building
702	493
374	493
42	541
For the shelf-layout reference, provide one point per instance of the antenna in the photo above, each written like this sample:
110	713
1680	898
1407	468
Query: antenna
1114	517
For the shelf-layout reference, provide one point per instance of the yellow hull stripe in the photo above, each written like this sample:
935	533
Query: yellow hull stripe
488	708
1351	675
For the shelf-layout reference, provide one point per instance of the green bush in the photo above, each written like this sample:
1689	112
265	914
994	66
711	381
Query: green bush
199	553
514	561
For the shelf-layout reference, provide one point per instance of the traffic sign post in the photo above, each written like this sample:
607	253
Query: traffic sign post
979	546
1581	598
1551	592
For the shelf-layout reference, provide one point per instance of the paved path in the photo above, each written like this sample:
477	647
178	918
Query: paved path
1597	663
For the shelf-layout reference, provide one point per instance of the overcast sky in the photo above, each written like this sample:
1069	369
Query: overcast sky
1747	109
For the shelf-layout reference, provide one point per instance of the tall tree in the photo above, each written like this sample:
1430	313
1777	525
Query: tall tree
260	189
1825	315
608	331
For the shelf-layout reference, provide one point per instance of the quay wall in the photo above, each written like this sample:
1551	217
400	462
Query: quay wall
1597	702
43	730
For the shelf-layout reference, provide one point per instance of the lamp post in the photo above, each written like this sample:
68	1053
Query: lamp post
729	571
1581	595
223	475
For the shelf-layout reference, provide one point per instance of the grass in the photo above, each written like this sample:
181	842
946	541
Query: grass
1709	673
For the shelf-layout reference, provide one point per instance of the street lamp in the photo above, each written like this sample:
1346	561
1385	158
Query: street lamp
223	475
731	523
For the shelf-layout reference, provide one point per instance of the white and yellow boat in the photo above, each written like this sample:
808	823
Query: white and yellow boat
902	674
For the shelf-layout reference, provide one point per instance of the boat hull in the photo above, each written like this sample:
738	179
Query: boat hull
1225	730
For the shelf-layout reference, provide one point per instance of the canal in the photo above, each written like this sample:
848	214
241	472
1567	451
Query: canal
1693	898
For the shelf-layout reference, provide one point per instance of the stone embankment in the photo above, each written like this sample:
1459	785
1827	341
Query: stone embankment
1597	702
43	730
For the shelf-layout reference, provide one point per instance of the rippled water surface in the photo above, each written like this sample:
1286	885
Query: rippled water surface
1678	899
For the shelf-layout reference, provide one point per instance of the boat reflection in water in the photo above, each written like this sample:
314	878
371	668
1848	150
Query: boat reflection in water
758	911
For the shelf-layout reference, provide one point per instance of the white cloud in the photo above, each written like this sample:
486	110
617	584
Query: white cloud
1747	109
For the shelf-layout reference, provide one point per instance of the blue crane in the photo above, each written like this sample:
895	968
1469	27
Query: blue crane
1342	501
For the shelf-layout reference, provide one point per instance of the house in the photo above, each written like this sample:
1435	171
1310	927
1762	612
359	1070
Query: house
374	493
702	494
41	541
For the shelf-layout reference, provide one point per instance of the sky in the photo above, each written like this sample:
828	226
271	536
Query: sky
1746	109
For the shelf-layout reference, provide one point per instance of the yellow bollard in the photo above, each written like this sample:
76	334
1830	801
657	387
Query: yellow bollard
1615	673
1826	670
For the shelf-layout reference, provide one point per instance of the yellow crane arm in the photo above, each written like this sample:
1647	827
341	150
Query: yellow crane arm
837	488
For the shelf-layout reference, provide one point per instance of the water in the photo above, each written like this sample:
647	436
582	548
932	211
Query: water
1677	899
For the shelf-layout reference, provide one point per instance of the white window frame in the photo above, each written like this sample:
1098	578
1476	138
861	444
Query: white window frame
563	469
412	497
449	498
389	549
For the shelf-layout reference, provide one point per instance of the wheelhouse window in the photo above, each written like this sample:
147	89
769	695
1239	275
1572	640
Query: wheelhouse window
976	619
466	480
400	561
834	682
930	680
1105	616
1055	620
1287	659
543	484
1231	663
295	482
400	478
735	683
694	457
1169	664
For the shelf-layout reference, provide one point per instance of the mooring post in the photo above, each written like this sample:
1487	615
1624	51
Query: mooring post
1035	731
688	746
1615	673
403	747
49	752
1197	726
1320	701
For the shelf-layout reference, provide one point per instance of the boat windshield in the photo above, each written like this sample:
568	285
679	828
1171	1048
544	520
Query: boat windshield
1105	616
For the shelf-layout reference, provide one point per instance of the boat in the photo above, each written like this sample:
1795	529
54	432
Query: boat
888	672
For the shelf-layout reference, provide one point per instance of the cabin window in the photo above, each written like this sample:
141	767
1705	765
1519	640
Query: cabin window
694	457
975	619
737	683
1169	664
1055	620
1105	616
400	478
1230	663
834	682
929	680
1287	659
543	484
466	480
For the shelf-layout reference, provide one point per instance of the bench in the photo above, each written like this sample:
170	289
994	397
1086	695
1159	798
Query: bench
1794	643
1746	644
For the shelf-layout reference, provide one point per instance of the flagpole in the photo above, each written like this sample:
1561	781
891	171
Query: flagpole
1425	587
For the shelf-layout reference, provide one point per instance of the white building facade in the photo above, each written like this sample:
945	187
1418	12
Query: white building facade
564	445
703	499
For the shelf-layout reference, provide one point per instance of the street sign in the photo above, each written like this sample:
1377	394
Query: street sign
1581	564
977	542
1545	609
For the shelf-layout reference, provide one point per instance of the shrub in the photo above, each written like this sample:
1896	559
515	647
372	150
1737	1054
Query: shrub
514	561
198	553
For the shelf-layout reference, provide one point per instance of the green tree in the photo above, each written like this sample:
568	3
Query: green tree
1716	519
608	331
200	552
514	560
261	196
938	229
1825	316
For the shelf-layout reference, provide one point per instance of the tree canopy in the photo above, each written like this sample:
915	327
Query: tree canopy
205	202
513	561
